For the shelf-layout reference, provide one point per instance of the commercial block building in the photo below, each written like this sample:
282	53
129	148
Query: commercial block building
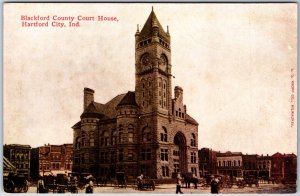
207	161
19	156
51	160
230	163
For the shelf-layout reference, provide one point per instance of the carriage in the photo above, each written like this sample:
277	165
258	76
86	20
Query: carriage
223	181
62	183
145	184
189	178
15	183
121	180
248	181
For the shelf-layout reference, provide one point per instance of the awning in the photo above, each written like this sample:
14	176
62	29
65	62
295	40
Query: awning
8	166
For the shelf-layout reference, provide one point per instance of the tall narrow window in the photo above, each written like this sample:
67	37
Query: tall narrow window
193	157
83	139
114	137
130	133
77	144
164	154
121	134
120	154
164	135
193	140
91	139
106	138
146	134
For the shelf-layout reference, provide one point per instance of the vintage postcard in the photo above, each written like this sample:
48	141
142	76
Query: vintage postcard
152	98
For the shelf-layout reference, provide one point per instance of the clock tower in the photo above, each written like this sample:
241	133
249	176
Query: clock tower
153	68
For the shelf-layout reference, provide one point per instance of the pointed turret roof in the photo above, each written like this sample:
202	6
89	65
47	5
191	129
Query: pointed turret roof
151	22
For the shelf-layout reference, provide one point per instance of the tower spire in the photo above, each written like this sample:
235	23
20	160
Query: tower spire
152	27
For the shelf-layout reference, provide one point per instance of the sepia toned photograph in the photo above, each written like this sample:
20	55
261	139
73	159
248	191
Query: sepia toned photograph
150	98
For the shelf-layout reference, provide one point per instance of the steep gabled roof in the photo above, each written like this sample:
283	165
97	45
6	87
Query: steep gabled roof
128	99
190	120
147	28
108	110
110	107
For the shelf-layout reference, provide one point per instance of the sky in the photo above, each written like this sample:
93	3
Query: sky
234	62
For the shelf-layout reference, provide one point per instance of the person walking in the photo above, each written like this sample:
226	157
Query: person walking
140	182
214	186
41	186
90	186
178	184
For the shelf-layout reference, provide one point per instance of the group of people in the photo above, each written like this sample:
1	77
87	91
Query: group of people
214	184
41	188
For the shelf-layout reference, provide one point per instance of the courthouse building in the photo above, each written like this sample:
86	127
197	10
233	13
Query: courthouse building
146	131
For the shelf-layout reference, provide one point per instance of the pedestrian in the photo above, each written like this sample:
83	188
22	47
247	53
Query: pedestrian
41	186
140	181
178	184
214	185
90	186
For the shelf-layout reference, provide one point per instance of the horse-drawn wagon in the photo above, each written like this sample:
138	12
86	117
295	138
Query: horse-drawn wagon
15	183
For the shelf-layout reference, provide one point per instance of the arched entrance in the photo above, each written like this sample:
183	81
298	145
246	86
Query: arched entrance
181	147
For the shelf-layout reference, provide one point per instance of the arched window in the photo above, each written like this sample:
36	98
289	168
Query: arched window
121	134
160	92
144	92
83	139
130	133
193	140
77	143
106	138
149	91
164	135
113	137
164	94
92	140
146	134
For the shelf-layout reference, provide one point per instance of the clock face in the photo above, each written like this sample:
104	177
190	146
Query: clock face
146	60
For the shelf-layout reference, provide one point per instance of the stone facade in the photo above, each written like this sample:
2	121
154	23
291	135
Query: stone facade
146	131
19	156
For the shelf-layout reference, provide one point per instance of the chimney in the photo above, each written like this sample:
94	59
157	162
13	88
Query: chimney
88	97
178	93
